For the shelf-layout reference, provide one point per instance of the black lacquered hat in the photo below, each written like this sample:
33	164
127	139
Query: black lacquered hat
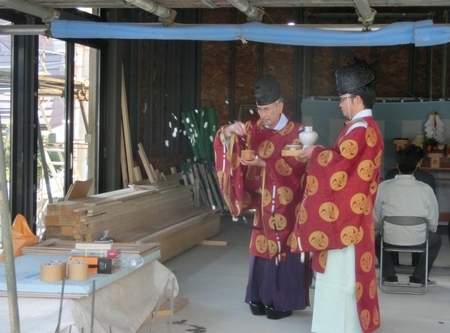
267	90
352	77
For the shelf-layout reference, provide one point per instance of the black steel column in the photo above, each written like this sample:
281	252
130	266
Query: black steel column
23	123
69	115
110	177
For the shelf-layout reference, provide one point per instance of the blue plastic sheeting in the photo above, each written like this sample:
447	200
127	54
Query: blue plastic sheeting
421	33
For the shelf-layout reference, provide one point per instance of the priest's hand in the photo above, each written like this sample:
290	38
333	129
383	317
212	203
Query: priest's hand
255	162
305	153
237	128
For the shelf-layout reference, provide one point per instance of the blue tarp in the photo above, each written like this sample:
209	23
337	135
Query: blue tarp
421	33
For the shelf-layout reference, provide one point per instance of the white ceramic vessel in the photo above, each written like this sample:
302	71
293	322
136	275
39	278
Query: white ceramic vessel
308	136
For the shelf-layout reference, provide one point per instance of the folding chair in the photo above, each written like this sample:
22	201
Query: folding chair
404	221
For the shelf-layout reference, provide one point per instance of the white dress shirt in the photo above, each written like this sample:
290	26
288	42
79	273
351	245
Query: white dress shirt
405	196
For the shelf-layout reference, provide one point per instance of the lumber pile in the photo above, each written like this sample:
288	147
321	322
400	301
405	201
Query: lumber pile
164	215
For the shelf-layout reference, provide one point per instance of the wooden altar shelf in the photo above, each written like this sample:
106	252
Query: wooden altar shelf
167	217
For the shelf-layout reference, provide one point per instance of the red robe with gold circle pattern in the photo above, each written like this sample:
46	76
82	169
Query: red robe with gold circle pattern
337	209
274	192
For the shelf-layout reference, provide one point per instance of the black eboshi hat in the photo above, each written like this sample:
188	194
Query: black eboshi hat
267	90
352	77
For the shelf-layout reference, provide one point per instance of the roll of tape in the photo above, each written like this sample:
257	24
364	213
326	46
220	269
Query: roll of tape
77	270
63	266
51	271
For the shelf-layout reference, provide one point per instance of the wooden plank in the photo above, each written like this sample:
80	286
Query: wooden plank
164	309
147	166
79	189
126	131
132	195
137	173
52	220
187	236
123	160
215	242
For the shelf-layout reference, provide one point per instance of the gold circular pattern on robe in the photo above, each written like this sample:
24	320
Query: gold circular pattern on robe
365	318
377	159
376	316
372	234
277	222
359	291
267	197
235	162
368	209
358	203
285	195
365	170
324	157
360	235
297	208
312	185
221	176
349	235
373	288
338	180
349	149
371	137
366	262
373	187
318	240
283	168
272	248
247	199
256	220
228	155
261	244
293	243
328	211
323	255
287	129
289	239
302	215
302	179
266	149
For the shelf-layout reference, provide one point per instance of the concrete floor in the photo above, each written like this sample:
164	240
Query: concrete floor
214	279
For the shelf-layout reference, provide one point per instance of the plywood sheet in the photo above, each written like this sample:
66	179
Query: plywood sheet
62	247
79	189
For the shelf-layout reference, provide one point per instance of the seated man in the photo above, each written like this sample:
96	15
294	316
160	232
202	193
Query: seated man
423	176
419	174
406	196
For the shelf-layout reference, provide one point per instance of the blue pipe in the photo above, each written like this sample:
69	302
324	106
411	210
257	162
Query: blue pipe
421	33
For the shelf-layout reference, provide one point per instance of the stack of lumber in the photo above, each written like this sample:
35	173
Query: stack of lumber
165	216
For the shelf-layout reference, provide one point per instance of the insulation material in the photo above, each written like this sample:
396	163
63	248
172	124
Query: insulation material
28	276
421	33
120	307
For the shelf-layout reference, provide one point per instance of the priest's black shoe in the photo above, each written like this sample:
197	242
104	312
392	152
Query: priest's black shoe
257	308
271	313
